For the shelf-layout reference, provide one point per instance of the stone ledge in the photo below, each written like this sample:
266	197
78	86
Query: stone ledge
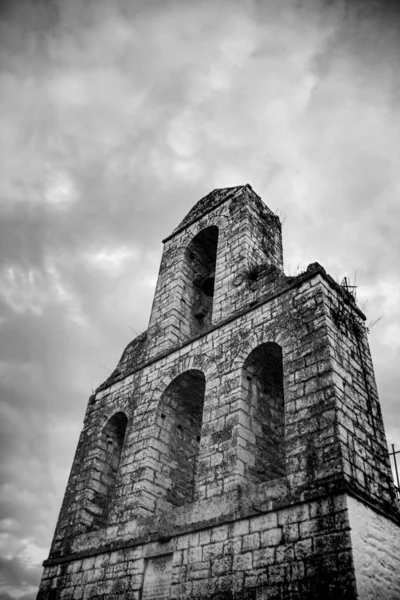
312	270
328	490
238	512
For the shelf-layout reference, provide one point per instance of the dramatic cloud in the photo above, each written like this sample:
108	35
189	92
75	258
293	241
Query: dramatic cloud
117	116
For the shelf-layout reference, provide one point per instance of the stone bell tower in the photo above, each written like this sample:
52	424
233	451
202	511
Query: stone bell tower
238	449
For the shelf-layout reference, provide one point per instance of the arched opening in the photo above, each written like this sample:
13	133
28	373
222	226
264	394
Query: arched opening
180	420
262	381
200	265
107	464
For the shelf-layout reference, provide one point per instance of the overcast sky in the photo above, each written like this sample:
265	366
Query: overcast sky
116	117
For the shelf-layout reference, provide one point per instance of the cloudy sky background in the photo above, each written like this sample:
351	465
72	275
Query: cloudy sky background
116	117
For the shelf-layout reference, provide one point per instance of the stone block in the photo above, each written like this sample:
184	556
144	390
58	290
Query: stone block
271	537
264	522
243	561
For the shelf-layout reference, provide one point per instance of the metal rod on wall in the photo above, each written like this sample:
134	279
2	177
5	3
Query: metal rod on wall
393	453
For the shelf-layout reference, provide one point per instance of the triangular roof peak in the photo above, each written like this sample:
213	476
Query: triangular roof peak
207	204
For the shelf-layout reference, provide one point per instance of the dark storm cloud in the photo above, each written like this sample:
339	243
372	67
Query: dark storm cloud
6	596
117	117
16	574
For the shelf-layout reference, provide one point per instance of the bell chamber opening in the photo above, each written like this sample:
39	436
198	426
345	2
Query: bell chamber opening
200	266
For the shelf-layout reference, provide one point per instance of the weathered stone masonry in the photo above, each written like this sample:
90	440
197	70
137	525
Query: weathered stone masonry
238	449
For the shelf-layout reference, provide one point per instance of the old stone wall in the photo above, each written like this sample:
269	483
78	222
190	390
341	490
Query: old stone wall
376	552
359	418
300	550
218	458
299	322
249	239
227	452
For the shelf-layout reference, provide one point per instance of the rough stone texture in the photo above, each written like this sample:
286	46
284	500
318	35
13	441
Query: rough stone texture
262	382
250	426
249	235
299	551
376	553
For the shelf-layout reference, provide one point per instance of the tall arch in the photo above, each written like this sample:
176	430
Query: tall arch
262	384
180	420
107	462
199	272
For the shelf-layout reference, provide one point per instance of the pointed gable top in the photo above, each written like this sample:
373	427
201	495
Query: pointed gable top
207	204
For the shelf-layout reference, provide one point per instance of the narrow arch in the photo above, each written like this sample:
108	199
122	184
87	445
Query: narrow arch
199	269
262	384
180	420
107	465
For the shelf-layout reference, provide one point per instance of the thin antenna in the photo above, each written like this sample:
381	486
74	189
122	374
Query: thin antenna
393	453
350	289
